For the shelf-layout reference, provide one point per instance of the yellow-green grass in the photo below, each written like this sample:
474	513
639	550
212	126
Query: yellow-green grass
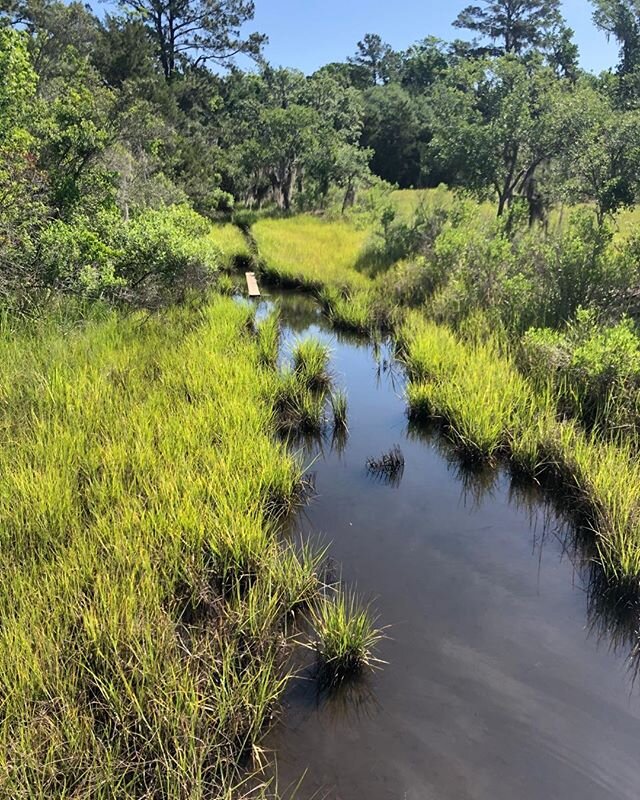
346	636
310	252
144	592
231	243
489	409
407	201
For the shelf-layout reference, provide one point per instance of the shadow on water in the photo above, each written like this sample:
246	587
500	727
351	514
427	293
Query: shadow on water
511	663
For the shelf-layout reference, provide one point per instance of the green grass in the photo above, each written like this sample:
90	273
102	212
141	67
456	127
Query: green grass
231	242
339	407
144	590
268	333
407	201
490	409
346	637
309	252
311	363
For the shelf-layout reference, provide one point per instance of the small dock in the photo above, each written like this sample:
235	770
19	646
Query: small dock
252	284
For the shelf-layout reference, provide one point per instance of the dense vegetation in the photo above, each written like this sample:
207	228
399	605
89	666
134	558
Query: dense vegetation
104	121
148	602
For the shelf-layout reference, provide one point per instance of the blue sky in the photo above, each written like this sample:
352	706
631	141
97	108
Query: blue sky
308	33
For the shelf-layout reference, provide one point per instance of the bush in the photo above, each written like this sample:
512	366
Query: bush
79	256
594	368
167	249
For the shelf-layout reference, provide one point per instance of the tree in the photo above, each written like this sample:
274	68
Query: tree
196	30
513	26
423	64
621	19
495	123
374	59
395	128
601	164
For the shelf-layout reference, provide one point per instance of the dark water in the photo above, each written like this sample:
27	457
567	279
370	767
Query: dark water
505	679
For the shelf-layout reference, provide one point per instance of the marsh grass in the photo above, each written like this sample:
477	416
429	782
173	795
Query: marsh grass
268	332
490	410
308	252
365	311
310	360
339	407
145	595
232	244
346	637
298	408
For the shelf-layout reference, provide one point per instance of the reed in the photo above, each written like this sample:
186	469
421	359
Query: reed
311	364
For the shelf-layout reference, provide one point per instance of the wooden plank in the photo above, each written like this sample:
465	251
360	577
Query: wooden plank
252	284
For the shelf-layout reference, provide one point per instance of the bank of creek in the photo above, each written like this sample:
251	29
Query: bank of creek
507	676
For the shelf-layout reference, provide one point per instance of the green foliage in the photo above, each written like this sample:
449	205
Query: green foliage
595	369
169	246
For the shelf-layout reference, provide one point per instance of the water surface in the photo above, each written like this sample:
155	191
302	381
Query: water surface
502	681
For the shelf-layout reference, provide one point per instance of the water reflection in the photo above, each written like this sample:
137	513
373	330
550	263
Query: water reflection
495	602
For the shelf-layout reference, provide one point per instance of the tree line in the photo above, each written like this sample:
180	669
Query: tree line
147	107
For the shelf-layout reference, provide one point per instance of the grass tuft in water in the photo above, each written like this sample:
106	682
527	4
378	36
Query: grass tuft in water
339	408
298	408
311	364
346	637
268	331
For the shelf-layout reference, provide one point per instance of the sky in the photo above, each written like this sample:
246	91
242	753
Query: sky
308	33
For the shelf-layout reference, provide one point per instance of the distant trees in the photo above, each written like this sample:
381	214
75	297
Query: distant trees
374	60
621	19
196	30
495	123
513	26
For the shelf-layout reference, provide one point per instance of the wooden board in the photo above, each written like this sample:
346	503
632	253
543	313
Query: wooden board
252	284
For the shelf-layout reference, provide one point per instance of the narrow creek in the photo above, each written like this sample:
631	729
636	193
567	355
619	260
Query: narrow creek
505	679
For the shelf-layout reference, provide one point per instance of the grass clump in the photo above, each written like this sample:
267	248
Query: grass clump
339	405
346	637
311	364
298	409
268	332
472	388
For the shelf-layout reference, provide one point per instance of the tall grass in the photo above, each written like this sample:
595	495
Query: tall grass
232	244
144	591
489	409
311	363
346	637
308	252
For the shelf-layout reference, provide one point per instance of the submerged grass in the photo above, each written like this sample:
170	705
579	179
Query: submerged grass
144	591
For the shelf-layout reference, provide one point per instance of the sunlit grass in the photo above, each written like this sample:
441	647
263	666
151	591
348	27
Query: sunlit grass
231	242
489	409
346	636
310	252
144	590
